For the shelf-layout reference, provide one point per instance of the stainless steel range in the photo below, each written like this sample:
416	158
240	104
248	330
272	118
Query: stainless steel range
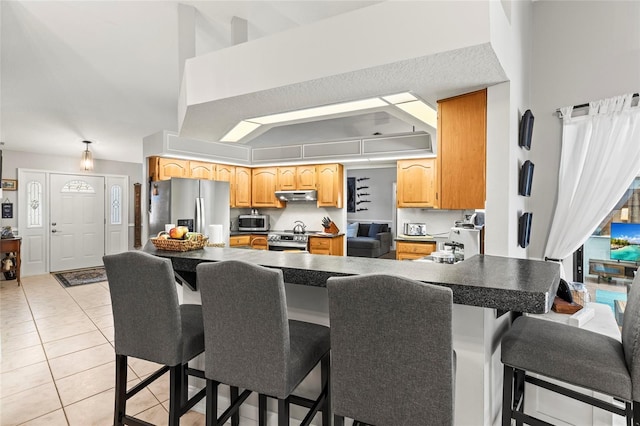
287	240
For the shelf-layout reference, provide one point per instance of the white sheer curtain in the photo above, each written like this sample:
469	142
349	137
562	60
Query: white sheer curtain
600	158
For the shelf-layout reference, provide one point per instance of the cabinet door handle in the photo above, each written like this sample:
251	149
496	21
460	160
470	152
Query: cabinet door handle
53	231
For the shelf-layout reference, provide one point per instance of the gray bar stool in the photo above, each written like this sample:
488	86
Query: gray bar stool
392	351
252	344
574	356
150	324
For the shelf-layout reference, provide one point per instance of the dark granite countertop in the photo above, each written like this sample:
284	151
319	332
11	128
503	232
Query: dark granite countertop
415	239
235	233
487	281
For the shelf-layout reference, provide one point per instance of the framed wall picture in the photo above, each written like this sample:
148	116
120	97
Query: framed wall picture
9	184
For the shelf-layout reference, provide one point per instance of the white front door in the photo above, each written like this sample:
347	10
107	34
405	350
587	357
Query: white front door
77	221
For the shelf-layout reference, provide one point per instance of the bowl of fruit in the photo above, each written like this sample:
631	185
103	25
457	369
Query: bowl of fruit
179	239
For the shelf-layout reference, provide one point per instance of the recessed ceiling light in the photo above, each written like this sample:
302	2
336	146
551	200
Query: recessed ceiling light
320	111
421	111
240	130
400	98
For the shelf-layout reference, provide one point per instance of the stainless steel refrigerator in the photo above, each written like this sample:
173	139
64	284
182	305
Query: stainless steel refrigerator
192	202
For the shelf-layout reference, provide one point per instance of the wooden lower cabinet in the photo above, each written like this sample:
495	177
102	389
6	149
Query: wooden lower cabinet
413	250
332	246
257	242
239	240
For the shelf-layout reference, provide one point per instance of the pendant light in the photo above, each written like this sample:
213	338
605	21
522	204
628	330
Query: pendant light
86	163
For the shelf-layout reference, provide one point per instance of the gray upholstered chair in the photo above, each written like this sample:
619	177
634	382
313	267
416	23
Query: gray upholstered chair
251	343
392	356
150	324
574	356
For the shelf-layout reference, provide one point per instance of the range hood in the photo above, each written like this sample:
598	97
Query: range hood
306	195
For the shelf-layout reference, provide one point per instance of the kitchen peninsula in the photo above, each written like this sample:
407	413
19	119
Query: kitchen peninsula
485	281
484	288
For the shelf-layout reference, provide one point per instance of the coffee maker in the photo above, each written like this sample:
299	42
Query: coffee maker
464	242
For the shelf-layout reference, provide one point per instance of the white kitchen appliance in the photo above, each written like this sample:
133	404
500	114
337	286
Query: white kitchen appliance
465	242
415	229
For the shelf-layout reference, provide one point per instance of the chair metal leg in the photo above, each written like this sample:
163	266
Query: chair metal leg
338	420
262	410
233	393
636	413
184	397
283	412
212	403
326	384
121	390
175	394
507	395
519	388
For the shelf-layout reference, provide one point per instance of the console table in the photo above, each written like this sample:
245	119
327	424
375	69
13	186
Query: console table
12	245
612	268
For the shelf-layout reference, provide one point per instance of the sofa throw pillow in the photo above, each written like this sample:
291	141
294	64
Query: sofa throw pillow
374	229
352	230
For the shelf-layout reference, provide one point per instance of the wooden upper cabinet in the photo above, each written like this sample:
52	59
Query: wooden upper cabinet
263	187
202	170
330	182
297	178
462	140
242	187
239	179
416	183
287	179
227	173
166	168
306	176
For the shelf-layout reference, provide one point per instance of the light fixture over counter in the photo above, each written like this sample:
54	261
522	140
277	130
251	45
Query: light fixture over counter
406	101
86	163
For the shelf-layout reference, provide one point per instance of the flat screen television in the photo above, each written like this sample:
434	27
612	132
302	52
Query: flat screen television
625	241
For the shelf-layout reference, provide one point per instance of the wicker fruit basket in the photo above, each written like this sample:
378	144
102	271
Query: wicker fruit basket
195	242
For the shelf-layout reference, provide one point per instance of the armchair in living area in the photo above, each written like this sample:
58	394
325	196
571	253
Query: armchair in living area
368	239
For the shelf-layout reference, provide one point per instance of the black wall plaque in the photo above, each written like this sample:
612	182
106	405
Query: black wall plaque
7	210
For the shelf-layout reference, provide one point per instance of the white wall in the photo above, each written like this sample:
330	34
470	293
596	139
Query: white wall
380	189
582	51
308	213
12	160
511	39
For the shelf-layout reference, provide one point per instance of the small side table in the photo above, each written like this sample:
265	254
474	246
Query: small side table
12	245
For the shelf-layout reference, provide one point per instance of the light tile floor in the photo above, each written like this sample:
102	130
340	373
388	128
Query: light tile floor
57	358
57	361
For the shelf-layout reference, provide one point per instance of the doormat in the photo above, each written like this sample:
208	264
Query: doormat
609	297
81	276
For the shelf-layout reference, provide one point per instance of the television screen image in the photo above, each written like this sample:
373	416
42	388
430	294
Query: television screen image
625	241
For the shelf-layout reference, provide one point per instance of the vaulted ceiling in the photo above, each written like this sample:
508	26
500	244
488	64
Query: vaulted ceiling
108	71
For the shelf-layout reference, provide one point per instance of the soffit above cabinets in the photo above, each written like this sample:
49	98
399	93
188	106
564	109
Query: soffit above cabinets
387	48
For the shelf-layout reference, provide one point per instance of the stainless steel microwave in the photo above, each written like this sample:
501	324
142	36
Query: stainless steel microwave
253	222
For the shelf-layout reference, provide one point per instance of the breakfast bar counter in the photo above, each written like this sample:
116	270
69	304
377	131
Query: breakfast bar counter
494	282
484	288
